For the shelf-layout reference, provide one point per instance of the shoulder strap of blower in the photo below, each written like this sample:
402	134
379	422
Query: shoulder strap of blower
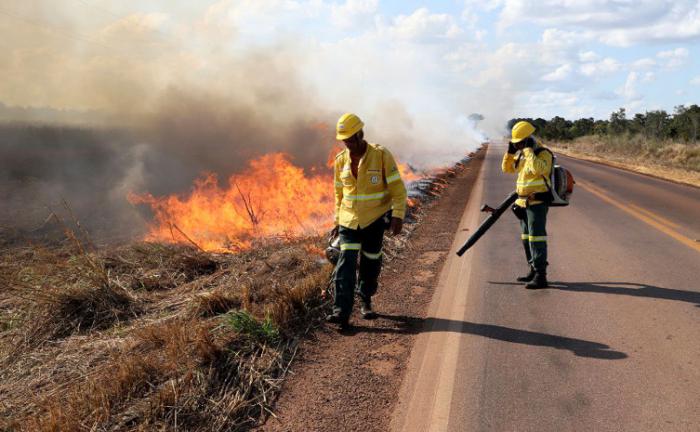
547	181
546	196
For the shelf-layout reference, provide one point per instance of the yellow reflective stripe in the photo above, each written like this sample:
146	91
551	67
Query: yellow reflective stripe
338	184
369	197
350	246
531	183
373	256
537	238
394	177
524	237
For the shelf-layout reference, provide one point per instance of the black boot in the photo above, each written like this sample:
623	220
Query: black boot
539	281
337	318
366	310
527	278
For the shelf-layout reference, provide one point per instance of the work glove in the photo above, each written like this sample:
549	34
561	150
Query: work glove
528	143
511	148
334	231
396	226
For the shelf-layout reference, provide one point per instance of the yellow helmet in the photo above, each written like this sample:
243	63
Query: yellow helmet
348	125
521	130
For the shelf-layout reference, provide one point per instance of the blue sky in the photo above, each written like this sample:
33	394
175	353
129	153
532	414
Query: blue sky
552	58
427	64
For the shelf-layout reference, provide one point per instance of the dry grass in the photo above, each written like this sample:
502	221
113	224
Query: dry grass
142	337
665	159
158	337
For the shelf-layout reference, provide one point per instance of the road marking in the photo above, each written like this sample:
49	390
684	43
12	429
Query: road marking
645	216
661	219
425	400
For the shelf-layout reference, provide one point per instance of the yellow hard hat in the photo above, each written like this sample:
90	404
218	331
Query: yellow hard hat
521	130
348	125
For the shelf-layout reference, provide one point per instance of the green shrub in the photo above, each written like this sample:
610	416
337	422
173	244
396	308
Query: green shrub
246	324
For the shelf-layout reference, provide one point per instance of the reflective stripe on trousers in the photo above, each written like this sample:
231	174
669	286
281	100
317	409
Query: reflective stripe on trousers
534	236
369	241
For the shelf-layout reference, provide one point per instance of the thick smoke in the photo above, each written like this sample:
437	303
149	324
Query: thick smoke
161	150
154	121
154	111
64	170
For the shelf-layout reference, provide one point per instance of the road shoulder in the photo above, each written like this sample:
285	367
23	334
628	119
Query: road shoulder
351	382
675	175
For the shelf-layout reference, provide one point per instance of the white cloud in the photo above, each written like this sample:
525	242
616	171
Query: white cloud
644	63
695	81
613	22
353	12
648	77
424	26
629	89
556	46
554	37
674	58
559	74
607	66
549	103
588	56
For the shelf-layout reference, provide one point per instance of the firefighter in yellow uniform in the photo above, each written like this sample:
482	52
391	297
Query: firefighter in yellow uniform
533	164
369	196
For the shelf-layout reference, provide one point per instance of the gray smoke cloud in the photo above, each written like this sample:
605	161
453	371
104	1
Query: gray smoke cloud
143	111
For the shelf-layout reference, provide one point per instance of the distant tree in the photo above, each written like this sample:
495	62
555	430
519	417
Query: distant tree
636	125
600	127
686	122
618	122
684	125
581	127
657	124
558	129
540	125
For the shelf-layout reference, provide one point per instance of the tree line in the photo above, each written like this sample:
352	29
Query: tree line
683	125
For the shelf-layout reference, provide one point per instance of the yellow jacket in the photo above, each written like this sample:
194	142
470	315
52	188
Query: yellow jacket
377	189
533	168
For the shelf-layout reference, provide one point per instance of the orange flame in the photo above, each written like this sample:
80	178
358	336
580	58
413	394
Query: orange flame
271	198
408	174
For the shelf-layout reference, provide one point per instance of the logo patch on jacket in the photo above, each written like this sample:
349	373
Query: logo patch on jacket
374	179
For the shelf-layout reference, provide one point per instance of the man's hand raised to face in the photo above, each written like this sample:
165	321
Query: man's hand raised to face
511	148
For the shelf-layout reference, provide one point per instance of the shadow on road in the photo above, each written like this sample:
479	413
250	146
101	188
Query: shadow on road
630	289
413	325
623	288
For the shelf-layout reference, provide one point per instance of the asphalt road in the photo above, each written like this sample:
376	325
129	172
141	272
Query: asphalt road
613	345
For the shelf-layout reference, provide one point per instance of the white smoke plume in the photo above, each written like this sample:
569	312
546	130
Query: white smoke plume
185	89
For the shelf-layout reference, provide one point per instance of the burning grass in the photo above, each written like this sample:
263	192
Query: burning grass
151	336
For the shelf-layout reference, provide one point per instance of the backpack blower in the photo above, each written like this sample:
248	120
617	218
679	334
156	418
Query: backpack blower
485	225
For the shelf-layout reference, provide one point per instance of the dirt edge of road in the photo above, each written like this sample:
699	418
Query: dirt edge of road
674	175
351	381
